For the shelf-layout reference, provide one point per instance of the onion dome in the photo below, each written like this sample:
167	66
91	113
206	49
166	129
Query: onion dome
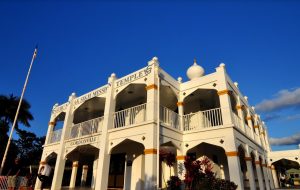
195	71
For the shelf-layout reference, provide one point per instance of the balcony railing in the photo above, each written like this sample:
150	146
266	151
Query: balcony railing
169	118
130	116
202	119
55	136
86	128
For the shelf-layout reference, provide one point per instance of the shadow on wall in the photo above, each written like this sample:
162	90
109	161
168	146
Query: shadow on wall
149	184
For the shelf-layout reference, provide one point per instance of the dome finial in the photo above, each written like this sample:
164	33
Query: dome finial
195	61
195	71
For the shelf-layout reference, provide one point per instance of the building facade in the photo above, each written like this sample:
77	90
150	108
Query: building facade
111	137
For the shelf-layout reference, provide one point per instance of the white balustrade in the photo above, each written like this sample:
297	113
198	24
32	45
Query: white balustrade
130	116
169	117
237	121
55	136
203	119
86	128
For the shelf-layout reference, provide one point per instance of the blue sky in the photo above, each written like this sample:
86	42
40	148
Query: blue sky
82	43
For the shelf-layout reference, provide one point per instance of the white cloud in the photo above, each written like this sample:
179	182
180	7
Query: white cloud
291	140
293	117
283	99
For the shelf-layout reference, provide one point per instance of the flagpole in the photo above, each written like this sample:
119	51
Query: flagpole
17	113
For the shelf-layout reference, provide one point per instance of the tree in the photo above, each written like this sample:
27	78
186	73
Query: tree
8	109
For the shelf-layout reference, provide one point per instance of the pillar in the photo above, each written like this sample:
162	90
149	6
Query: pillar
128	172
104	156
259	174
51	126
250	124
95	164
224	96
150	169
73	174
180	106
85	169
38	182
265	173
234	167
60	160
241	115
250	173
271	181
180	166
275	177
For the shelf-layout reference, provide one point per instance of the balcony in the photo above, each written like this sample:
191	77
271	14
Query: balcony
131	116
89	127
55	136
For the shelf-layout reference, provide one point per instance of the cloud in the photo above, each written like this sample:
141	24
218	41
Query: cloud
269	117
283	99
293	117
291	140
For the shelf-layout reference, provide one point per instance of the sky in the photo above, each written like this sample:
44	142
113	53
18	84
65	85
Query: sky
82	42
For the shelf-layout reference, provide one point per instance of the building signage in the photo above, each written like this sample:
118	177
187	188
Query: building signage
137	75
83	141
90	95
60	108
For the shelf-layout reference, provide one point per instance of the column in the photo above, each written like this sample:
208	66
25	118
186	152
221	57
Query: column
259	175
248	160
180	106
256	128
60	160
38	182
73	174
265	173
275	177
150	169
95	164
235	169
271	181
241	115
85	169
104	156
51	126
128	172
250	124
180	166
224	96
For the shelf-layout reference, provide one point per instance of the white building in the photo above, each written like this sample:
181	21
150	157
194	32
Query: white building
110	137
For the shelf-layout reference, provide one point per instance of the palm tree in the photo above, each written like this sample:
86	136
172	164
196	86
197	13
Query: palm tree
8	109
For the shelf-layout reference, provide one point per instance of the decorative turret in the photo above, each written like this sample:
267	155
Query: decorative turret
195	71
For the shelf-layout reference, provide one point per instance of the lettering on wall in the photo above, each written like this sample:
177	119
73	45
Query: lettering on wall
60	108
83	141
90	95
134	76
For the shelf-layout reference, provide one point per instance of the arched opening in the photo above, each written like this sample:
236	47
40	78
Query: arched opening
254	169
244	169
82	162
126	168
215	154
131	105
168	107
88	118
51	161
202	109
288	172
55	134
167	163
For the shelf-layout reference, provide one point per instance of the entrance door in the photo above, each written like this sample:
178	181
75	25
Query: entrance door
116	171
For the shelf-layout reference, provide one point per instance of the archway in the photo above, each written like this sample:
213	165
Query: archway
215	154
252	154
244	169
126	168
80	168
288	172
130	105
55	134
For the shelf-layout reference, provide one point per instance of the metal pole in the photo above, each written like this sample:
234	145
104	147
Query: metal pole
17	113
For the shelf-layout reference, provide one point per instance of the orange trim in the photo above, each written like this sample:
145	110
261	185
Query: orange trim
180	103
52	123
85	167
233	153
222	92
182	157
255	126
75	165
151	86
270	167
150	151
264	165
43	162
249	118
263	133
257	162
248	159
239	107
